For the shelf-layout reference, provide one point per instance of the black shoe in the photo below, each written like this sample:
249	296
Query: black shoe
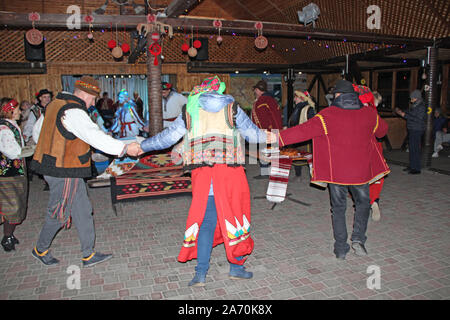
16	241
44	257
407	169
412	171
95	258
359	249
8	243
341	256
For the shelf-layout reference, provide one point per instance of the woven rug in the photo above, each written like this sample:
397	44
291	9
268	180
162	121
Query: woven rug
152	176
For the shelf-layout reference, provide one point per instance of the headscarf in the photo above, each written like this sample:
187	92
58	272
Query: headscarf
208	85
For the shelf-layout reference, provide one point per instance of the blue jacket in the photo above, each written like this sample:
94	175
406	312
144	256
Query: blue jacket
210	102
416	116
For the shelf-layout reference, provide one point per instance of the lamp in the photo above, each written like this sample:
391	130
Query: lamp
310	13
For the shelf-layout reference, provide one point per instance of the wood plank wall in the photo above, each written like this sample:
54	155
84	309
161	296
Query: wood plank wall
23	87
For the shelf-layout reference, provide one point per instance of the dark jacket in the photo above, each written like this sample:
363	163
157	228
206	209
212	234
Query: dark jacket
348	101
416	116
294	119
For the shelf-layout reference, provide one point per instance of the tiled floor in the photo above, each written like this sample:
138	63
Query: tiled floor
292	258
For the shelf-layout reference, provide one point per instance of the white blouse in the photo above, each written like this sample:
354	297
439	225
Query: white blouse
8	144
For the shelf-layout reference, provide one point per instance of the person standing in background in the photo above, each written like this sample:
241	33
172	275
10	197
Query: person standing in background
415	123
266	114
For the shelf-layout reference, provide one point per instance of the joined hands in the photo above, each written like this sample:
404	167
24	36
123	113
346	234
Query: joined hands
134	149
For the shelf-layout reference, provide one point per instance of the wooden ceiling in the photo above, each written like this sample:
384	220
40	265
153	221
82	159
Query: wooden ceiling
426	19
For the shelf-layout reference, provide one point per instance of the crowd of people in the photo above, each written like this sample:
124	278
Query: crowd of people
346	157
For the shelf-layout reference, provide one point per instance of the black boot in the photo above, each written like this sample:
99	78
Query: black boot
8	243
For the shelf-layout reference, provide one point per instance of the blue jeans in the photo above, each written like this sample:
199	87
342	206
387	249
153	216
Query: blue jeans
206	238
361	198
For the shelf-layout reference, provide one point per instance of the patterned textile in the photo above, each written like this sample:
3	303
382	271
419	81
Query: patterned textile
278	180
13	198
152	176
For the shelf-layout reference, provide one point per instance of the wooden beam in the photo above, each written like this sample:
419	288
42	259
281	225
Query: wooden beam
179	7
203	25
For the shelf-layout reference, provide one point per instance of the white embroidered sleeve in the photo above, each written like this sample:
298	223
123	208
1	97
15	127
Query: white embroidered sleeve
80	124
8	144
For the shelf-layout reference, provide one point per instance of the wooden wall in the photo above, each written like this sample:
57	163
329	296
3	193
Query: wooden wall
23	87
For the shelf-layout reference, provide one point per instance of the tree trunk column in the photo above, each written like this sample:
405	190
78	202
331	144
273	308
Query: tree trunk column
431	102
154	91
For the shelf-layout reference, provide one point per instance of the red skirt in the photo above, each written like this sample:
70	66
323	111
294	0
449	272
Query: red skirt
232	199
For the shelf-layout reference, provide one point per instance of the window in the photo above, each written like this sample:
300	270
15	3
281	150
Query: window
385	89
402	85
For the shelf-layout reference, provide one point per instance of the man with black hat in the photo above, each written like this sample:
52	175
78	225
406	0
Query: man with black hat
415	123
266	114
345	157
63	156
172	103
43	98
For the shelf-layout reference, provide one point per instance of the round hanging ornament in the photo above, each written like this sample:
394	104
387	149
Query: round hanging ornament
112	44
184	47
34	36
117	52
192	52
125	47
197	44
261	42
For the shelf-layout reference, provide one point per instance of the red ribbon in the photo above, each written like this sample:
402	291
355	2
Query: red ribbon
155	49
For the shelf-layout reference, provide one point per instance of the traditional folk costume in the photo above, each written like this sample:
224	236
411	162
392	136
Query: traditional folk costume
367	98
212	126
266	113
13	181
172	105
62	155
127	122
346	157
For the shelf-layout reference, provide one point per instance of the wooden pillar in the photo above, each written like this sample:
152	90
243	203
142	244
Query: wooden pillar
444	89
430	103
394	86
154	91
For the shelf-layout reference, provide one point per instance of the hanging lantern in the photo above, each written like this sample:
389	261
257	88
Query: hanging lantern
218	24
219	39
155	49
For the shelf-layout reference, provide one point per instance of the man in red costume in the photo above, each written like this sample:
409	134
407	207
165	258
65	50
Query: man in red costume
346	157
368	99
266	114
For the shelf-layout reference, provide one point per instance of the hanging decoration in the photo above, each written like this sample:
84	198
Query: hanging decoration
185	46
155	49
34	36
218	24
90	19
125	46
197	43
157	29
261	42
111	43
117	51
192	52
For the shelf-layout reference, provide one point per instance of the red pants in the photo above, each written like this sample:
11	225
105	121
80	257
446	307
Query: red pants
375	190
